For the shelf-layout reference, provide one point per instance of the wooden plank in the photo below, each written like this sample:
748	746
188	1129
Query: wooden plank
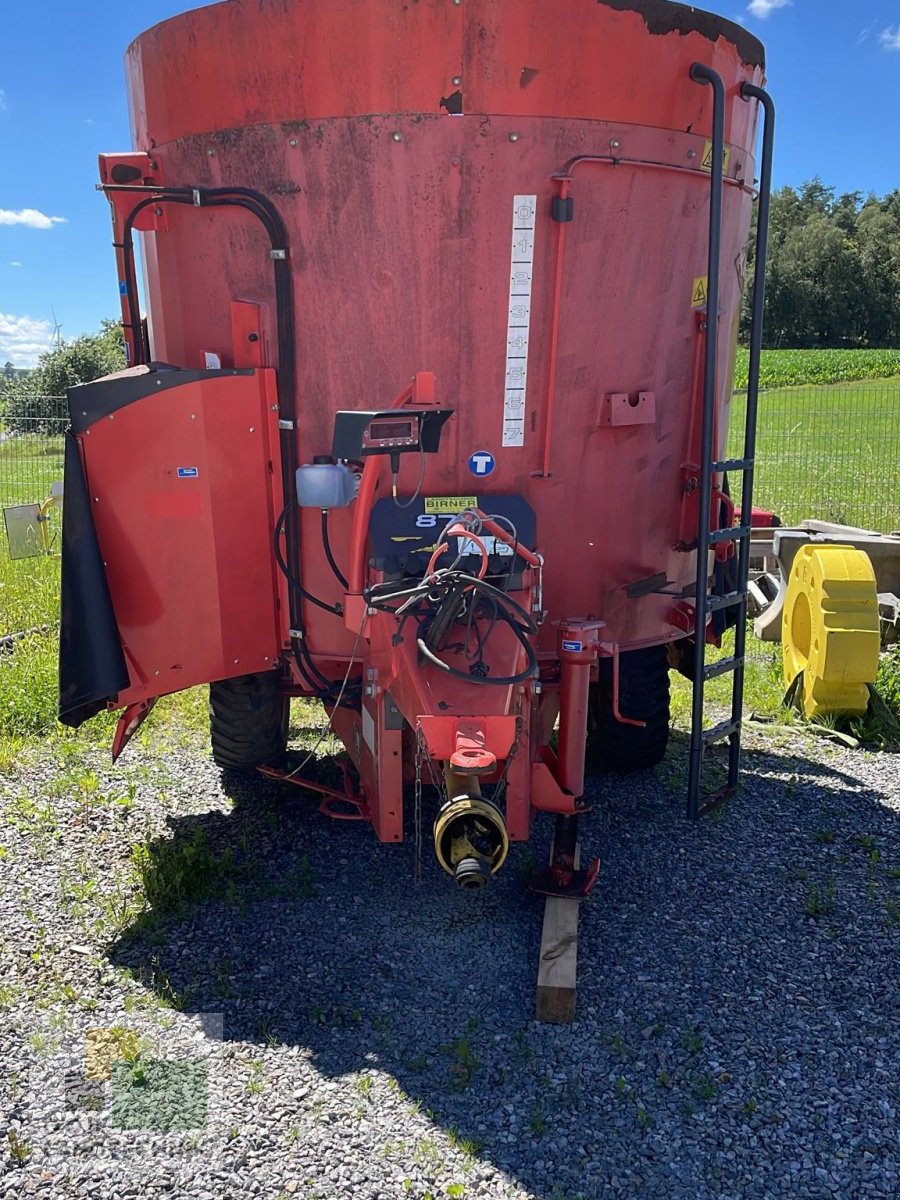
558	963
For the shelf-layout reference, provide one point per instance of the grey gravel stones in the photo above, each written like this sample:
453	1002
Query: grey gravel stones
323	1027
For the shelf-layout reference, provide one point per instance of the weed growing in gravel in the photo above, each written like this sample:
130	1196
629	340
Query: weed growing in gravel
258	1079
171	873
30	816
537	1120
19	1151
41	1044
692	1041
819	901
299	883
468	1147
704	1087
465	1062
363	1084
427	1155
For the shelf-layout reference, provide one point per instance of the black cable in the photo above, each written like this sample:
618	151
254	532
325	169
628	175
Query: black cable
496	680
262	208
326	543
336	609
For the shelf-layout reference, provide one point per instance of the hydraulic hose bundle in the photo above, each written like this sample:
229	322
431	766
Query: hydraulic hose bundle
448	597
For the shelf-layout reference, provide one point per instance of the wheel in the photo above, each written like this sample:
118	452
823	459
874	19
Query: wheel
643	695
248	721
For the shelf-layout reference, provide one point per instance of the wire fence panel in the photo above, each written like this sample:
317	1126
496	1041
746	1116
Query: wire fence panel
830	452
31	462
827	452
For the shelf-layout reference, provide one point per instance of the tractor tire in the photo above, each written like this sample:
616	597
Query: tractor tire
643	695
248	721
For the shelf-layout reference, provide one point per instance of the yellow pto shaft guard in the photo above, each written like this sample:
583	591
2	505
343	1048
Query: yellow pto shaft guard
830	629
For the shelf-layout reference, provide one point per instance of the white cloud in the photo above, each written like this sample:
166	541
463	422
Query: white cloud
15	263
763	8
890	38
22	339
30	217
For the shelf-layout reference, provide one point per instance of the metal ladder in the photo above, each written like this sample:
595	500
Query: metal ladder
698	801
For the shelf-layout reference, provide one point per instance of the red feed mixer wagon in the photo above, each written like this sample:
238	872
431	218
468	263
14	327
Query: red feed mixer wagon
427	417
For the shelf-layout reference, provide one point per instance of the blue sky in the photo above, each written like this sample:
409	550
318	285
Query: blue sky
834	70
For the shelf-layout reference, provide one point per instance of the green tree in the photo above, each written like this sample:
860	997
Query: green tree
833	269
38	396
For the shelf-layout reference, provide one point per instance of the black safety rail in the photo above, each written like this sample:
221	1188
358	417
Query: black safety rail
698	801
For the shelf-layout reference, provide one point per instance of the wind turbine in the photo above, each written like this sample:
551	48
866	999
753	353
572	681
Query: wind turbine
56	328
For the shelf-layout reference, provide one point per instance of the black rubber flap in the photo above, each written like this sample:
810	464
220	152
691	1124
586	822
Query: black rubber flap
92	667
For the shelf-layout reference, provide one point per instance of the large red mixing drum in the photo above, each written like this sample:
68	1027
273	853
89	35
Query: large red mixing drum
452	260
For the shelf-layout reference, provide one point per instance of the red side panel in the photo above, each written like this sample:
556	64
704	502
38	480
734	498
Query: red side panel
184	486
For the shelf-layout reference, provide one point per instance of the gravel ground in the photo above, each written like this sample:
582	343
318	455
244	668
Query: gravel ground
326	1027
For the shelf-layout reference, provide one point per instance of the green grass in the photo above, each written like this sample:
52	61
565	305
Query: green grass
787	368
28	466
832	453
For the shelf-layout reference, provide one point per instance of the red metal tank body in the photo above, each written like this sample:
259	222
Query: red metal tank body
425	239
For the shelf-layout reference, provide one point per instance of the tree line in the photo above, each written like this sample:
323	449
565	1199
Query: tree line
832	271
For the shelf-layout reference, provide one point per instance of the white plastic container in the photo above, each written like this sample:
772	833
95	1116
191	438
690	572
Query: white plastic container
325	485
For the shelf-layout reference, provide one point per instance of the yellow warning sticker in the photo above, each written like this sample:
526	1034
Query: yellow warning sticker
706	161
699	290
449	504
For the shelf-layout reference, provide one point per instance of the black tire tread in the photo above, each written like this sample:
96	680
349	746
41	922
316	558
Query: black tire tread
248	721
644	695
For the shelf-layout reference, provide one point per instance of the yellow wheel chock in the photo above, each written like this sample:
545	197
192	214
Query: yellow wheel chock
830	629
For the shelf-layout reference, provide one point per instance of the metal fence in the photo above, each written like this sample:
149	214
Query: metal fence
828	452
31	457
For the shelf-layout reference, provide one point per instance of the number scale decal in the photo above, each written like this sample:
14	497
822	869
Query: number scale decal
520	276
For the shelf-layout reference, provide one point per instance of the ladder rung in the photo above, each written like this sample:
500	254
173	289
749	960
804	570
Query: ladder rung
734	533
712	801
716	732
732	464
714	603
711	670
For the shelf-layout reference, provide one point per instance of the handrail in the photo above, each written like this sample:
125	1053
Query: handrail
749	92
702	74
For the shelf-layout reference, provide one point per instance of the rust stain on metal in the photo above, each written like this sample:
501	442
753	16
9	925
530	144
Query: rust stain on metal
662	17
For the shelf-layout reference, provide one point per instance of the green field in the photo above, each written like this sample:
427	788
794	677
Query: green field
788	368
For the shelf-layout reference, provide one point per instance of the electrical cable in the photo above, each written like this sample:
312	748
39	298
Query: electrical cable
414	497
496	680
326	543
336	609
266	212
337	704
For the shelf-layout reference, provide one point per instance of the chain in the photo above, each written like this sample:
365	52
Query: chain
418	806
500	789
422	755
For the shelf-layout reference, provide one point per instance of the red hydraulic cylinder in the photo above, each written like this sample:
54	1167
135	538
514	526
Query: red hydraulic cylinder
577	646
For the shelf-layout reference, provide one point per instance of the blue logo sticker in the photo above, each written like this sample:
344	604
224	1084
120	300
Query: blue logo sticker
123	288
481	463
188	472
576	647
